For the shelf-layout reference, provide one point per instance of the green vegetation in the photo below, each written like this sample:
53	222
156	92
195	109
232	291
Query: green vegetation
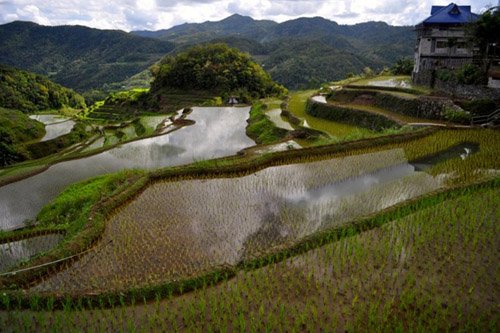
80	212
467	74
261	129
403	66
301	53
216	68
423	107
416	272
29	92
16	129
305	52
337	131
78	57
45	148
416	146
484	32
480	107
342	114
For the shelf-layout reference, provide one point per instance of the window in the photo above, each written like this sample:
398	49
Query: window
441	44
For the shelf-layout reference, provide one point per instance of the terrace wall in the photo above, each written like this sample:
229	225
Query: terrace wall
349	115
425	107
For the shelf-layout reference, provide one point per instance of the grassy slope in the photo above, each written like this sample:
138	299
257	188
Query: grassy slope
16	128
297	106
261	129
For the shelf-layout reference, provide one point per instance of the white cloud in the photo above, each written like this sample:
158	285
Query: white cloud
163	14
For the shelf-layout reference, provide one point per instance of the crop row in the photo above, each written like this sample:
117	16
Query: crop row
178	230
432	270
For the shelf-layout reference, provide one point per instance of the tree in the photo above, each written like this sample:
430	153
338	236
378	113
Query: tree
403	66
216	68
484	34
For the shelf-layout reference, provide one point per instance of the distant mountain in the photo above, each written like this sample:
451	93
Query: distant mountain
299	53
29	92
235	25
78	57
302	52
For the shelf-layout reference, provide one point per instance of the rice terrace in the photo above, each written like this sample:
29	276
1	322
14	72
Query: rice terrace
212	188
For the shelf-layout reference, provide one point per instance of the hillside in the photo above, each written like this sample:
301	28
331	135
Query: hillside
303	52
29	92
15	129
215	68
299	53
78	57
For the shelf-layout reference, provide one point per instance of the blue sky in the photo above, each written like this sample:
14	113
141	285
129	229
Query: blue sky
162	14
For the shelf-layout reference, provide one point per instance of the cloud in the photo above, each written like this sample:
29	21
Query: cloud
163	14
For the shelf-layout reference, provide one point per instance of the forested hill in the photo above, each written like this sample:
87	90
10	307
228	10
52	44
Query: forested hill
78	57
29	92
299	53
305	51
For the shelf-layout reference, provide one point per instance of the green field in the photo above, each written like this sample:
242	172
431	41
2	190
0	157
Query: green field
391	230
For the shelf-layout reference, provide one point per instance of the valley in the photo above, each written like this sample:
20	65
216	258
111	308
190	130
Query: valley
241	175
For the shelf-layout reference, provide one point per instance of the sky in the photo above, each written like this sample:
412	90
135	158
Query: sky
163	14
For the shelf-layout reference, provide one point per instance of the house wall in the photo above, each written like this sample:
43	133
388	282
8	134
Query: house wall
439	47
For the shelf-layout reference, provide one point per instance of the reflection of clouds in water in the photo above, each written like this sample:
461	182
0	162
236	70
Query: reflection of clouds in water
217	132
56	130
206	223
55	125
14	252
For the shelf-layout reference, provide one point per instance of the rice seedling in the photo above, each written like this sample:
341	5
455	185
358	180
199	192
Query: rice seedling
408	274
181	229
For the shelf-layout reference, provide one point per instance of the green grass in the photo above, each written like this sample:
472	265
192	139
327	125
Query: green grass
261	129
80	211
338	131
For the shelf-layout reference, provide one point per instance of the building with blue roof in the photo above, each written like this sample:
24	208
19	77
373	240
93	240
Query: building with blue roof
441	42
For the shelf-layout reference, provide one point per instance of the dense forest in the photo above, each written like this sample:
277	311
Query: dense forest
304	52
299	53
16	128
78	57
215	68
29	92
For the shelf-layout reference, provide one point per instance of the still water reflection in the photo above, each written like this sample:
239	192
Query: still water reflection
217	132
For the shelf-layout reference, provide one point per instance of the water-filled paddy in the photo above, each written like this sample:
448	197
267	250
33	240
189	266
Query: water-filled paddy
15	252
275	116
297	106
178	229
217	132
55	125
387	81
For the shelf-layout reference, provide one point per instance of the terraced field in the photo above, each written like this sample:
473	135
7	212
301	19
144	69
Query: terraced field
395	231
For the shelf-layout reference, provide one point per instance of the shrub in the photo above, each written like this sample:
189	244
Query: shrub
470	74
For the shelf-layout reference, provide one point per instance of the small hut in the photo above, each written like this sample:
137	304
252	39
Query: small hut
232	100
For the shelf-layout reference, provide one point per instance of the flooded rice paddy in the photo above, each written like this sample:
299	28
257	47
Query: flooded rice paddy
297	107
217	132
175	230
279	121
14	252
387	81
55	125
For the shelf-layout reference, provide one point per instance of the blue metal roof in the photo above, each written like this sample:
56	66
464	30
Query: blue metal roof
451	14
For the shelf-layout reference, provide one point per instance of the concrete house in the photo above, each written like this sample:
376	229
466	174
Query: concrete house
441	42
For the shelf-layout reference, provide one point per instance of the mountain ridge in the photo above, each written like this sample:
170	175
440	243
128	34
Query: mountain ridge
299	53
